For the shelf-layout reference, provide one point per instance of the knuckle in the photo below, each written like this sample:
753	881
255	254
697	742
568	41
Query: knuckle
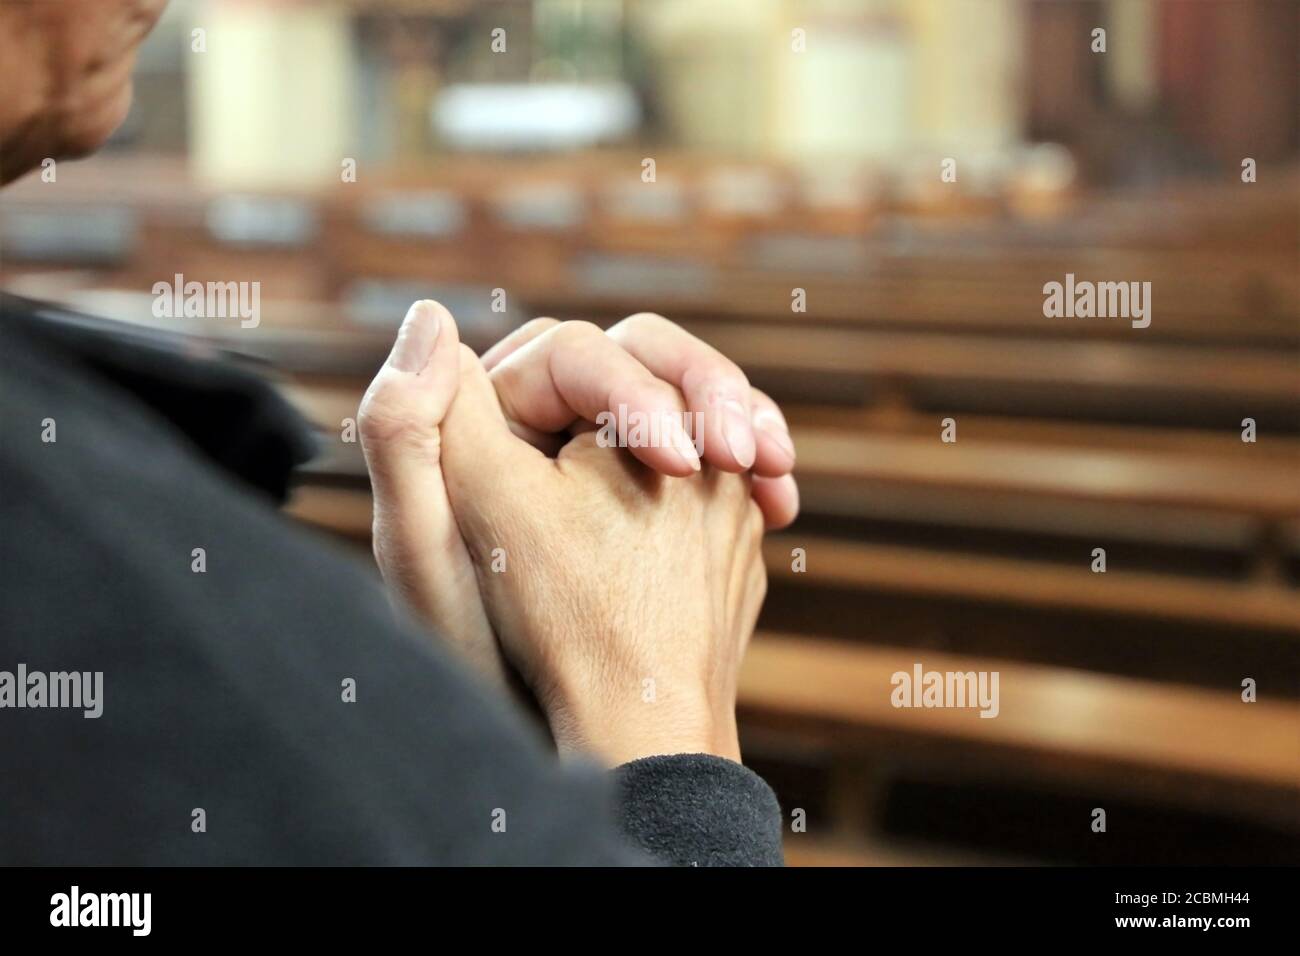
539	324
644	322
762	403
374	422
733	371
577	330
380	425
718	376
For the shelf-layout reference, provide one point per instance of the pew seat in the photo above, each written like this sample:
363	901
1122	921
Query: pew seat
1098	732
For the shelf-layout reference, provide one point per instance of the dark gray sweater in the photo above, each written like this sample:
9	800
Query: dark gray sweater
226	735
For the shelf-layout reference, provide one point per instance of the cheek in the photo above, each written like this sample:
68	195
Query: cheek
96	62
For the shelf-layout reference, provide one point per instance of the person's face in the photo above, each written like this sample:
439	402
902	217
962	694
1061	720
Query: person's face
65	69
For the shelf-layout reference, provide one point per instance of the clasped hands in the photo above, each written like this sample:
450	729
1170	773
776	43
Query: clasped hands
621	585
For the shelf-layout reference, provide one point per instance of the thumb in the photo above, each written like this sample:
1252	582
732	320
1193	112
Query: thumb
404	405
483	461
417	543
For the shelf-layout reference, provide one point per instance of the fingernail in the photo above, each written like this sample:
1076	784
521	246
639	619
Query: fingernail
684	447
775	429
738	433
416	338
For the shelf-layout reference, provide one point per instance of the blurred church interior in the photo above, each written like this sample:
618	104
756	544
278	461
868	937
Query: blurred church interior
860	201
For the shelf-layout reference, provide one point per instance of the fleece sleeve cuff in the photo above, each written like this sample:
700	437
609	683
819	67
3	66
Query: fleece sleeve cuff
699	810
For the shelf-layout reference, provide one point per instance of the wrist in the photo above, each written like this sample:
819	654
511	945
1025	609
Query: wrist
645	725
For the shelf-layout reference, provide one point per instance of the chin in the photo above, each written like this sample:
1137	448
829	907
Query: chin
91	130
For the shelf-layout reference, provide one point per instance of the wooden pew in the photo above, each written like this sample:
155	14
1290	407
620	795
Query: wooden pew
891	569
1188	307
1100	733
1264	491
896	276
1022	376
